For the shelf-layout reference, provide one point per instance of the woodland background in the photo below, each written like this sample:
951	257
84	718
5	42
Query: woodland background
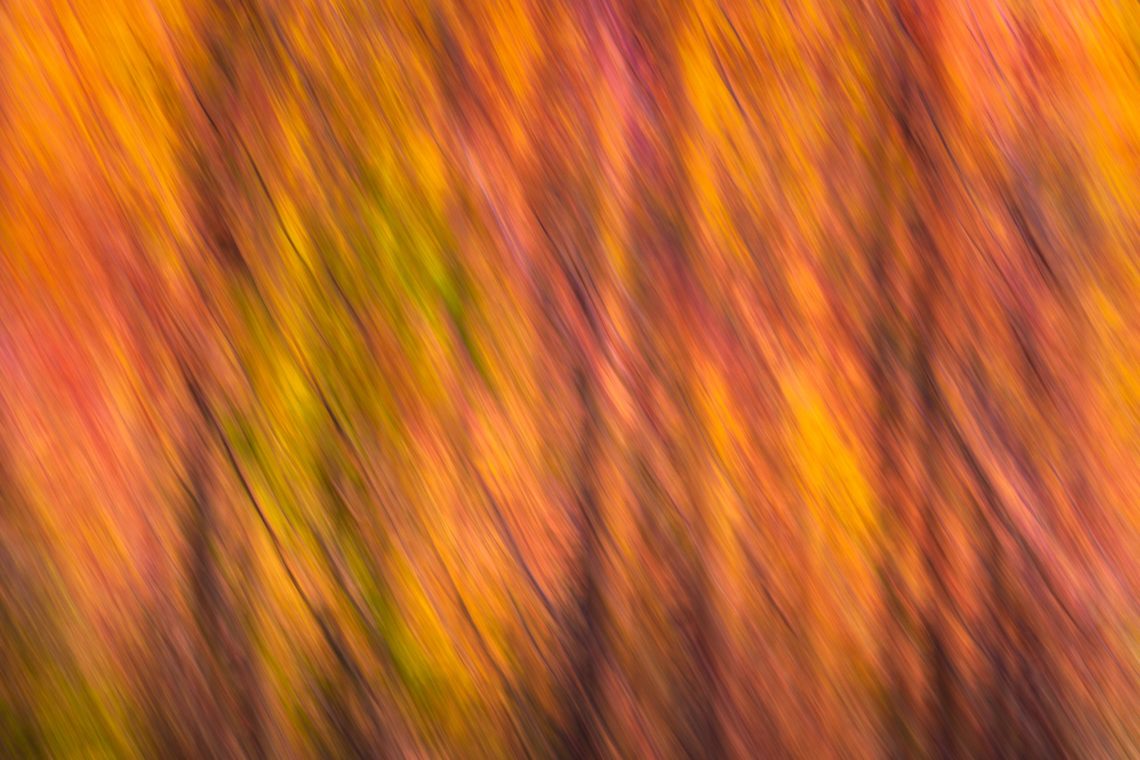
617	378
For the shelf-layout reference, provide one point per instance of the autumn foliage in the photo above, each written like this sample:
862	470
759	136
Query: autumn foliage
605	378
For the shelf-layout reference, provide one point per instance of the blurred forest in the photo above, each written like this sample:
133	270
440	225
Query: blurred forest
605	378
